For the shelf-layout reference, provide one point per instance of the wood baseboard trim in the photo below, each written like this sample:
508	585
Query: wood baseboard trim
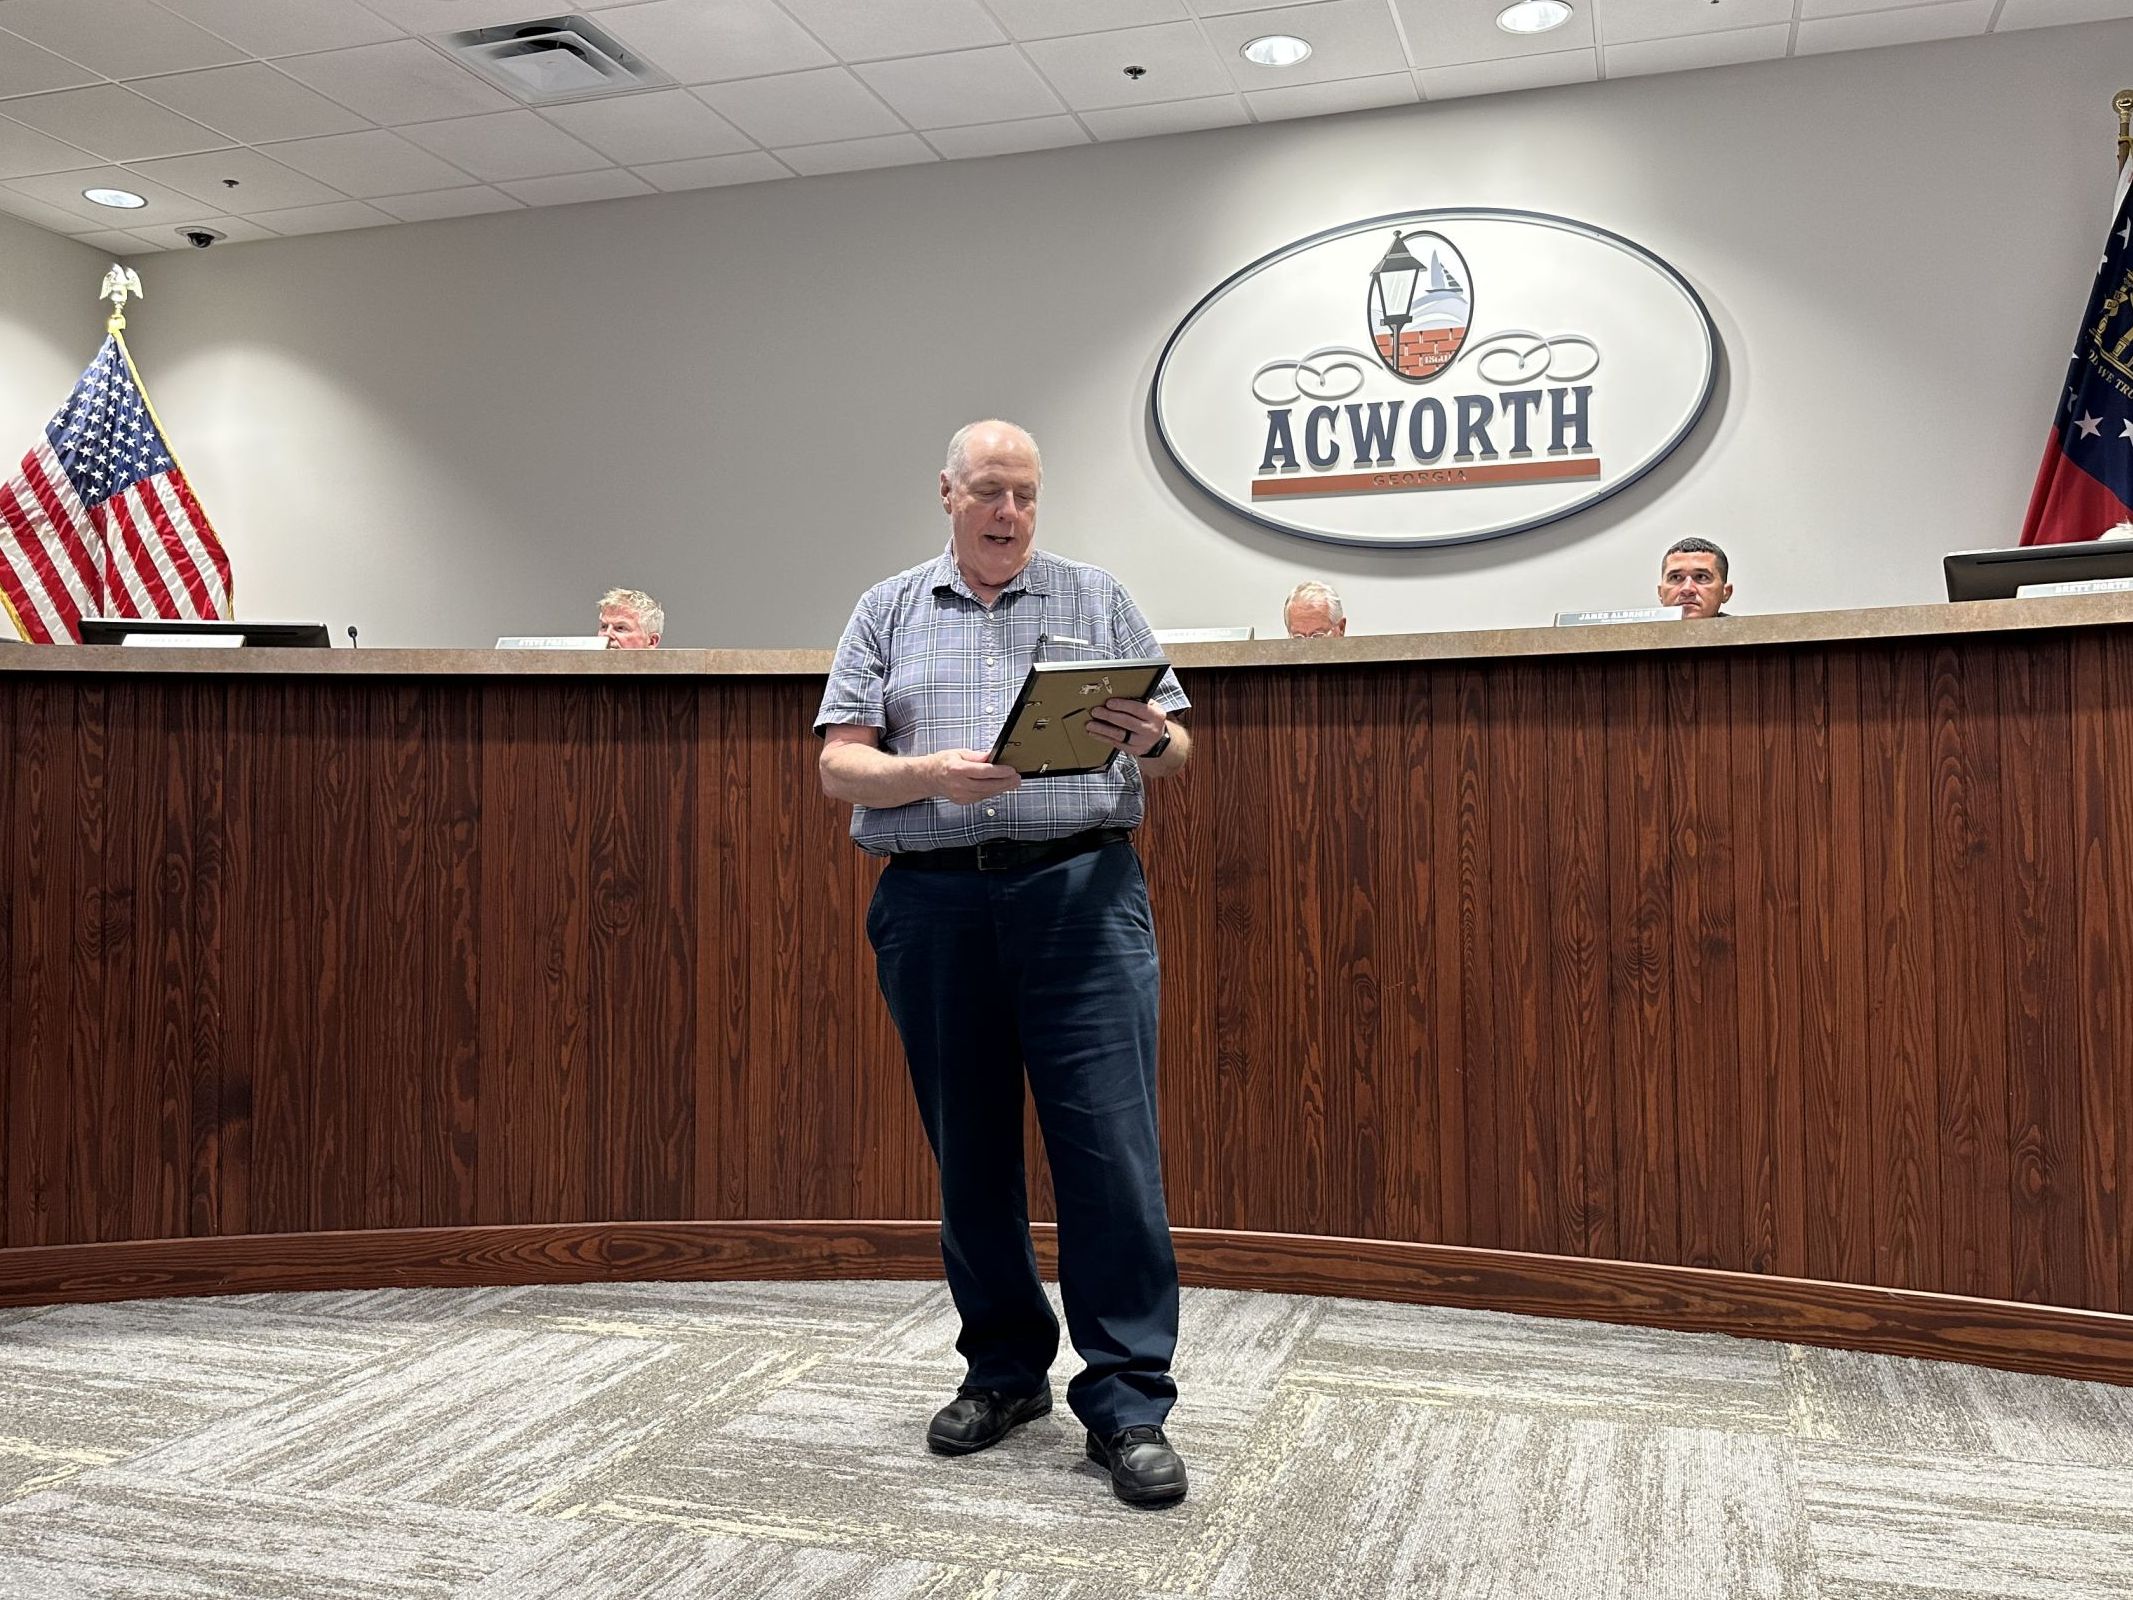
2058	1340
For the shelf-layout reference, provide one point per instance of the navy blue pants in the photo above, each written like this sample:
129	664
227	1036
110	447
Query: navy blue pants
1050	970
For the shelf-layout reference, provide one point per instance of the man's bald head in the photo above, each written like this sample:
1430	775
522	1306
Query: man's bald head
975	439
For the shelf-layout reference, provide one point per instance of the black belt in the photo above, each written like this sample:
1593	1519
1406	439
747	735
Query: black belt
1008	855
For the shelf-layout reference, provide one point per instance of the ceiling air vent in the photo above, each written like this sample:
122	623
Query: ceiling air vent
553	59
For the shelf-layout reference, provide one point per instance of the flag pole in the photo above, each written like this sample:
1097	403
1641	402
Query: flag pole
2122	103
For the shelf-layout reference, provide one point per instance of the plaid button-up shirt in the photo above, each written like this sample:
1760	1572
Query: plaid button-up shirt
933	668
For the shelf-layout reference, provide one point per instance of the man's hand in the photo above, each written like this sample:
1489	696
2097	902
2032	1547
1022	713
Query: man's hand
1133	725
967	776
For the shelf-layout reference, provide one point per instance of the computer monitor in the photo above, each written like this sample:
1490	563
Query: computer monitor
285	635
1997	574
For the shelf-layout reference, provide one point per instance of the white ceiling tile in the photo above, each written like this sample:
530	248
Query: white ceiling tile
1697	50
251	103
446	16
263	184
63	191
404	81
447	203
714	172
285	27
955	91
857	155
25	150
1329	99
1503	77
1845	8
1348	39
1007	138
119	38
46	216
1621	21
118	242
570	188
2017	14
452	16
26	68
234	230
802	107
1872	29
666	126
511	144
1178	116
367	164
1441	35
882	28
1049	19
116	123
696	43
324	219
1089	70
1224	8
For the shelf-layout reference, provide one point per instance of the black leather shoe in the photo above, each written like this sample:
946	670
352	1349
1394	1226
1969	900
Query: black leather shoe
1144	1470
978	1419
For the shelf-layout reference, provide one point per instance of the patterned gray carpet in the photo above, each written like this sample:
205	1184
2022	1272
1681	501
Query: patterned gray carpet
669	1442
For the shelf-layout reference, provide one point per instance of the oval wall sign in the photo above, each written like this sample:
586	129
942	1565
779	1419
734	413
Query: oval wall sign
1435	376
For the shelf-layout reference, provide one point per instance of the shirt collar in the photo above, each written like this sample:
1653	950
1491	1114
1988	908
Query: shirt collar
1034	578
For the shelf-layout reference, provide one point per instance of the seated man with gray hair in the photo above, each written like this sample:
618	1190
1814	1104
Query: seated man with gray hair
1313	611
630	619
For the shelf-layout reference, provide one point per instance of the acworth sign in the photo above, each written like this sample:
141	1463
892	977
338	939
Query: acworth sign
1435	376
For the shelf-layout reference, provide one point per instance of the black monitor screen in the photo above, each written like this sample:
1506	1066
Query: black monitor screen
1996	574
297	635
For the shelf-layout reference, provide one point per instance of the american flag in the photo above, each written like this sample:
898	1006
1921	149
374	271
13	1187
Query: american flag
99	520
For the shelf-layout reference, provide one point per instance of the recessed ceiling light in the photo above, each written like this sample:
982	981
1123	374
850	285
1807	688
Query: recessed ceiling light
1533	16
1277	50
117	199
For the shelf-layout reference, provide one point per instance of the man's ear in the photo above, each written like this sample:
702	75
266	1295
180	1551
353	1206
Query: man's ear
947	485
1725	594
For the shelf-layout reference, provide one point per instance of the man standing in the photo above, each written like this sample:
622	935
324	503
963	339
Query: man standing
630	619
1012	934
1314	611
1692	573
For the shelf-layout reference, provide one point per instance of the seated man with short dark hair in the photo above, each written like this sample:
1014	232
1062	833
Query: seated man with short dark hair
1692	574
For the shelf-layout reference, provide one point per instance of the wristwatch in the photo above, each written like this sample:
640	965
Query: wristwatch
1158	747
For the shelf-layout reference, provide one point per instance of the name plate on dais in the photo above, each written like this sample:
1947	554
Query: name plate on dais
1592	619
2043	591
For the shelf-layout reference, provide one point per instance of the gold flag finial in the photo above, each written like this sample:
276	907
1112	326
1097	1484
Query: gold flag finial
120	283
2122	103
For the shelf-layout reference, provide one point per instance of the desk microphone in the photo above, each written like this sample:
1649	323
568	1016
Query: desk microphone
352	637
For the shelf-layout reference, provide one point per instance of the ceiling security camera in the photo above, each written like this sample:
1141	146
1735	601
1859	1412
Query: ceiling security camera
201	238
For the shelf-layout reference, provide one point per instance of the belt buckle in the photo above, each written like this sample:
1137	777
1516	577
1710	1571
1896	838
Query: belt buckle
996	855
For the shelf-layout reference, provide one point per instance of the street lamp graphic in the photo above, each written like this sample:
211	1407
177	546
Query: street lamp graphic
1395	277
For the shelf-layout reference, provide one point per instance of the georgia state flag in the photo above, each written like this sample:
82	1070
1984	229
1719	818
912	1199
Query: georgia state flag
2086	482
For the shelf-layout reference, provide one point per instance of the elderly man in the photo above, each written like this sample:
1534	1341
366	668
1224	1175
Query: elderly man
1692	573
630	619
1012	936
1313	611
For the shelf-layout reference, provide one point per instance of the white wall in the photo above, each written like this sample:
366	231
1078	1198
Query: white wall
737	398
50	326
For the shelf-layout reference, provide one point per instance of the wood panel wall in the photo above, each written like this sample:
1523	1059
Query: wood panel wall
1811	961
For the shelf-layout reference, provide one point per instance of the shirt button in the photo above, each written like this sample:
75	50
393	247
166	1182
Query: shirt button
988	708
990	812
